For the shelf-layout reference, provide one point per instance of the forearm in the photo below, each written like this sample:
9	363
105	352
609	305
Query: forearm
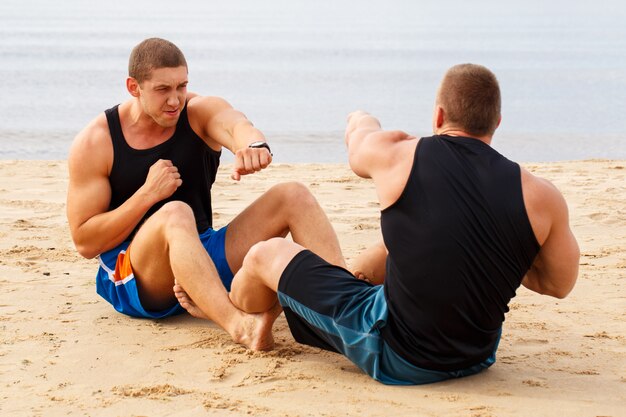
244	133
531	282
550	281
106	230
370	265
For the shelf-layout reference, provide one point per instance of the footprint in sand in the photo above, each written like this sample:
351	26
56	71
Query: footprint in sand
535	383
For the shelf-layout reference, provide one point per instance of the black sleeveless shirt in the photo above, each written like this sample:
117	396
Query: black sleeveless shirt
459	242
195	160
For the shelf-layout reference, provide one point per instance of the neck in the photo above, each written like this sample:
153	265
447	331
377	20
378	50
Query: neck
452	131
140	130
142	123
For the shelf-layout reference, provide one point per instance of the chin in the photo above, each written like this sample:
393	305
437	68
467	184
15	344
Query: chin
169	122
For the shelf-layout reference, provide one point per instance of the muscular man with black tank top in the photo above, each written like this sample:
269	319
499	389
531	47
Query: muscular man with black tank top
139	198
463	227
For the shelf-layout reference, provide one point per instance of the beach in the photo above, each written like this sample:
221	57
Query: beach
65	351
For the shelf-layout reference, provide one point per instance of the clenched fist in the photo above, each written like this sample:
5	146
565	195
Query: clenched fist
249	161
163	179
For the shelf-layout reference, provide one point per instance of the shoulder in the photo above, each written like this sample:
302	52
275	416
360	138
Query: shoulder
381	150
92	147
206	106
93	136
538	188
545	205
390	163
392	140
208	114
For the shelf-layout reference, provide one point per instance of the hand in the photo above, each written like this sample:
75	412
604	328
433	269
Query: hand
249	161
353	121
361	276
163	180
355	115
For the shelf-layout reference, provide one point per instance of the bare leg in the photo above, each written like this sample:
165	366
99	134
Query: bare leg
255	285
370	264
284	208
167	248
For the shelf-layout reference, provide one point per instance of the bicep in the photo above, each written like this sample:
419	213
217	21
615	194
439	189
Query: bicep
374	152
387	158
215	120
89	190
556	265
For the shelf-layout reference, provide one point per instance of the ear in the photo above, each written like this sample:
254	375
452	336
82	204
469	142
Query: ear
439	116
132	86
499	121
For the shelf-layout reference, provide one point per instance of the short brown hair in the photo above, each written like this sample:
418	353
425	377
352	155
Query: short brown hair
153	53
469	95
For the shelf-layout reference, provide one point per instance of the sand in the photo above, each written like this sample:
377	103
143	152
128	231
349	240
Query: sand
65	351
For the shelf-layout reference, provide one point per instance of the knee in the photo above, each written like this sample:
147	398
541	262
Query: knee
176	214
261	255
294	194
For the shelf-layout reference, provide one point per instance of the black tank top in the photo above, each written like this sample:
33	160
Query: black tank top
459	243
196	162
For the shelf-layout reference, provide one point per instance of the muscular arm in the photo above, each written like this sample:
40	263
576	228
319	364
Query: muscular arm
384	156
387	158
215	120
370	265
555	269
94	229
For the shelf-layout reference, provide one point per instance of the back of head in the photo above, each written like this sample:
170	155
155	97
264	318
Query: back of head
153	53
469	95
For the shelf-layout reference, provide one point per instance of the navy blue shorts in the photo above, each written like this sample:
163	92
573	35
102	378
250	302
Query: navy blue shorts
115	280
327	307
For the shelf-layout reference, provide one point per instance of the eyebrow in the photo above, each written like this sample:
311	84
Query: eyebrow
165	85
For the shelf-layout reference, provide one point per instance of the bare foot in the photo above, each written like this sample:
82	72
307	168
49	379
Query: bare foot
187	303
254	331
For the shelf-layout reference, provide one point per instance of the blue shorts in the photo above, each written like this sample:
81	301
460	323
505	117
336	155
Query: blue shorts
115	281
327	307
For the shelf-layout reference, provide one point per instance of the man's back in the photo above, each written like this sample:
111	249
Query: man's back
460	242
463	227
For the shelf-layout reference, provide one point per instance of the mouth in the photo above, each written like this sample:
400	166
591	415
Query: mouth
171	113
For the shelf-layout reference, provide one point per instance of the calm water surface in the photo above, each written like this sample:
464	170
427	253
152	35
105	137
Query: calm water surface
297	68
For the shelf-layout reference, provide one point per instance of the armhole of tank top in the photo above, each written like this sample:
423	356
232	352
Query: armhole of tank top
117	136
527	224
184	123
411	172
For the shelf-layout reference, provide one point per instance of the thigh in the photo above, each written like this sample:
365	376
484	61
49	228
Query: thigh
329	290
327	307
115	282
151	267
255	284
214	243
150	257
260	221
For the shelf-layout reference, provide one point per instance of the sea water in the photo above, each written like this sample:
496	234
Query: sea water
297	68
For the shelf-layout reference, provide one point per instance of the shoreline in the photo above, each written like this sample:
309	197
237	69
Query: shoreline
65	350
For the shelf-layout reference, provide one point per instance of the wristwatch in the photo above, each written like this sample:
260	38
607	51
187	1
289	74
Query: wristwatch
261	144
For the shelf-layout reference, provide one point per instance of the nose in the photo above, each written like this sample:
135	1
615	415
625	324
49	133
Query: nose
173	101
